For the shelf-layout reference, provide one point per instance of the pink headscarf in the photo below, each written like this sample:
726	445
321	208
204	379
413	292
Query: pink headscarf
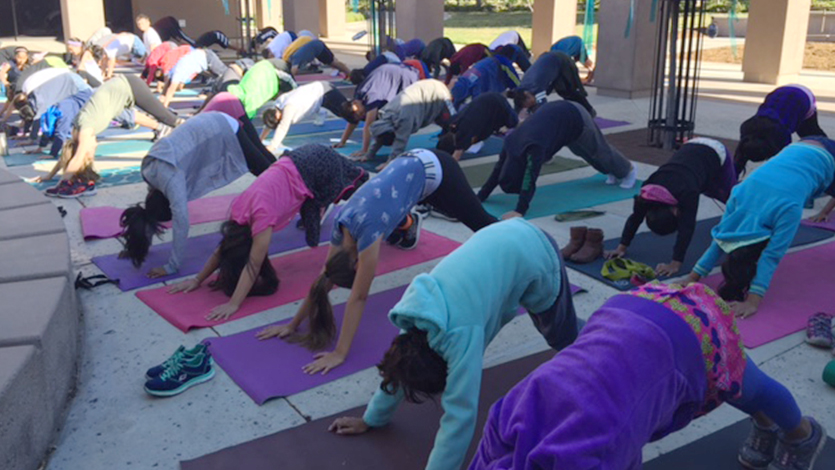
656	193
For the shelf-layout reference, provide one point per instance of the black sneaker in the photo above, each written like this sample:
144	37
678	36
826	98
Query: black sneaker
161	131
799	455
423	209
439	214
180	355
181	376
412	234
758	450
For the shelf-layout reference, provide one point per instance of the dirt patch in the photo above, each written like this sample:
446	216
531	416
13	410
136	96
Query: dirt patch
818	55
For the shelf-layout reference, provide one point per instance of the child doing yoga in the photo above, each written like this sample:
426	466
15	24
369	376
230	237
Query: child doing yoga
449	316
646	364
381	210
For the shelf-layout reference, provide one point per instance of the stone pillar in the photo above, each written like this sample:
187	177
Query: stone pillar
552	21
300	15
775	41
331	18
268	13
624	64
423	19
81	18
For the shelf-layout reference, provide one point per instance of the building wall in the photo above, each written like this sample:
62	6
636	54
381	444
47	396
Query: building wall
200	15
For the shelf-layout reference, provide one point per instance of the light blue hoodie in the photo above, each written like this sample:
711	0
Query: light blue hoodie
768	205
462	304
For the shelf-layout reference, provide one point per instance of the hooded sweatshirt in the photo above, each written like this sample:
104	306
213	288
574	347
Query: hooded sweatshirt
768	205
263	82
383	84
789	105
462	304
417	107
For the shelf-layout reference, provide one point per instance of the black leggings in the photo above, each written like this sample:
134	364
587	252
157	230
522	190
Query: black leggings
146	101
455	197
258	158
810	127
333	101
169	28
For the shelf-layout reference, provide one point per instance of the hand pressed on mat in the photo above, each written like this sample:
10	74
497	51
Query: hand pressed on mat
347	426
618	252
668	269
222	312
276	331
324	362
747	308
185	287
157	272
511	215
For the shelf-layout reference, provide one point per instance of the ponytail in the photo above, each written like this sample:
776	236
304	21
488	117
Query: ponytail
140	224
233	252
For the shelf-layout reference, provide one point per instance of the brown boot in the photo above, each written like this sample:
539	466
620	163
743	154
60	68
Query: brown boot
592	248
578	237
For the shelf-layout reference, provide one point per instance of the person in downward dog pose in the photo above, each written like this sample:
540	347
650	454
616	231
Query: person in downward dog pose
762	218
486	115
194	63
207	152
449	316
552	72
494	74
305	102
669	198
312	49
556	125
381	210
604	402
574	47
436	52
305	180
265	81
122	46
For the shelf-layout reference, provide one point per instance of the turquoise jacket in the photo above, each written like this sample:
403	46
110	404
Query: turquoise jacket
768	205
462	304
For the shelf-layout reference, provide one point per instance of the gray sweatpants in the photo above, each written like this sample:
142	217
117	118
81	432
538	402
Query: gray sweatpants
592	147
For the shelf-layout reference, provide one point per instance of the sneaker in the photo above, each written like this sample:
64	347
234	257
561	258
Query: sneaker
395	238
161	131
819	330
758	450
610	179
77	189
439	214
411	235
181	376
180	355
53	191
424	210
629	181
799	455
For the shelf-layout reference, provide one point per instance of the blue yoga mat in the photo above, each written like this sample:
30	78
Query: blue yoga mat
121	131
104	149
563	197
109	178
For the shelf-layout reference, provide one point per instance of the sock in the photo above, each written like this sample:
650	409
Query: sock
408	223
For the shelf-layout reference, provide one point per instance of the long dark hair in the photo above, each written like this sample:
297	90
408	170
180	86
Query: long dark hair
661	219
234	258
760	138
413	366
270	118
739	270
140	224
339	270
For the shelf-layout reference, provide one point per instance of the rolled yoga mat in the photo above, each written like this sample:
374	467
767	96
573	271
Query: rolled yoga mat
477	174
297	271
652	249
103	222
562	197
403	445
800	287
198	251
273	368
720	450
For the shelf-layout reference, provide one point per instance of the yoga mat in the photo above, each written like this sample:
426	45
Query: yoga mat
562	197
121	131
604	123
828	225
104	149
297	271
477	174
188	104
719	451
189	92
252	363
103	222
198	251
403	445
633	145
109	178
800	287
651	249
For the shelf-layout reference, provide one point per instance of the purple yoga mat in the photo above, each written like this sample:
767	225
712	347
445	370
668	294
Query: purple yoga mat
604	123
197	252
829	224
103	222
273	368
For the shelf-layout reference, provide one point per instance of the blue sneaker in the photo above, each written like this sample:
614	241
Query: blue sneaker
181	376
180	355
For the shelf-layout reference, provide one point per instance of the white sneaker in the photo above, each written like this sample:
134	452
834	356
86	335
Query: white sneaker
476	147
610	179
631	178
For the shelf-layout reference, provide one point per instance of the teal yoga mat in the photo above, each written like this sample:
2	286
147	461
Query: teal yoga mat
109	178
104	149
563	197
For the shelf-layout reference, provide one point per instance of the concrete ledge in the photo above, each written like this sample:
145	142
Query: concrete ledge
39	324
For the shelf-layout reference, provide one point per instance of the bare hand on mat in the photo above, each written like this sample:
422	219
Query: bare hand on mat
222	312
277	331
347	426
186	286
618	252
668	269
692	277
338	145
157	272
324	363
747	308
819	217
511	215
359	156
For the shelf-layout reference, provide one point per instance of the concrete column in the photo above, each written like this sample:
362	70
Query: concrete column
300	15
331	18
423	19
81	18
775	40
268	13
624	65
552	20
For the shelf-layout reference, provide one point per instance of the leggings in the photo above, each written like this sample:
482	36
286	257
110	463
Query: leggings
168	28
809	127
257	157
333	101
455	197
146	101
761	393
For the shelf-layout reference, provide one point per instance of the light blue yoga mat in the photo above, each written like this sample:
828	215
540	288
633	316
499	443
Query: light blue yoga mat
563	197
104	149
109	178
121	131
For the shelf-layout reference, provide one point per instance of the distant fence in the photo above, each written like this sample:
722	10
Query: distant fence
821	26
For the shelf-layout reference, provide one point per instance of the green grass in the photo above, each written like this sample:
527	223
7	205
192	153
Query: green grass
483	27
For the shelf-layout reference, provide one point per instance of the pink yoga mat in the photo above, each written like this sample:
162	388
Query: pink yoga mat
273	368
296	272
800	288
103	222
829	224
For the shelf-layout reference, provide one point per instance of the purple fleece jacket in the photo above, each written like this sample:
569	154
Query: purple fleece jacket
634	375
